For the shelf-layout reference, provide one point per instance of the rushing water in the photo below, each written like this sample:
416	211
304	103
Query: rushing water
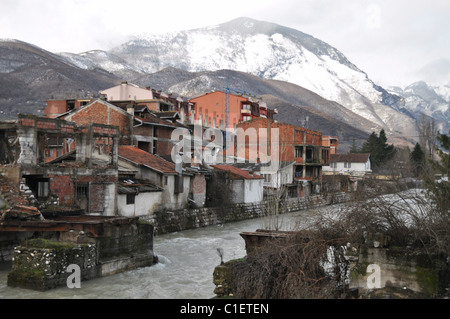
185	270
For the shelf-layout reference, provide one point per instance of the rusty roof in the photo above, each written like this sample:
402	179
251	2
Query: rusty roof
140	157
237	173
353	158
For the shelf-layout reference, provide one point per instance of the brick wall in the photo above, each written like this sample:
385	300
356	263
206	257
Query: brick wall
63	187
103	114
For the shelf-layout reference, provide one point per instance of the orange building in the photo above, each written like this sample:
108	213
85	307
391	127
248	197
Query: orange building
296	144
57	107
332	142
210	109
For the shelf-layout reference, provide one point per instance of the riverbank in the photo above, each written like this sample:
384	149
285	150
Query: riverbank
186	263
179	220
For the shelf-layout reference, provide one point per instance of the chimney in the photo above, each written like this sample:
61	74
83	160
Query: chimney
130	109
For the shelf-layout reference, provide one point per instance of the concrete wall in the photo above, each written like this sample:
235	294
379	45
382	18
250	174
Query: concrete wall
167	221
122	244
253	190
397	267
145	204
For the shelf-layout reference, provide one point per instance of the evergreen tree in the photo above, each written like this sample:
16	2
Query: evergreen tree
380	151
417	158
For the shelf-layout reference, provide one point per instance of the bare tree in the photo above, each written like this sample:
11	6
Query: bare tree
428	132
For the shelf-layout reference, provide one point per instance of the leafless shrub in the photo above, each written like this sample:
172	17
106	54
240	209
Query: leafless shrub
290	268
295	267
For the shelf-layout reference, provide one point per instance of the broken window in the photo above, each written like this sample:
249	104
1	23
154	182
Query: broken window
299	171
82	196
145	146
38	185
42	189
299	151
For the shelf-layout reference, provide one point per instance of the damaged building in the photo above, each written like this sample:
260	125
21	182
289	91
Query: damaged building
61	165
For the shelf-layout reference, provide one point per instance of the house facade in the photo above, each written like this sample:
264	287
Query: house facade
348	164
102	112
175	185
247	187
210	109
126	92
302	147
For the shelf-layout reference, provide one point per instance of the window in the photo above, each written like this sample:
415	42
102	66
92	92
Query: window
42	189
165	180
347	165
298	151
131	199
267	178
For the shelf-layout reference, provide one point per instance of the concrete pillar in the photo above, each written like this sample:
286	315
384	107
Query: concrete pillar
28	142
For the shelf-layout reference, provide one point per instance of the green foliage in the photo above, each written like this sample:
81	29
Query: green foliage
418	159
48	244
380	151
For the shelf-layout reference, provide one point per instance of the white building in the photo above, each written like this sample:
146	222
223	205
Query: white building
155	182
348	164
247	186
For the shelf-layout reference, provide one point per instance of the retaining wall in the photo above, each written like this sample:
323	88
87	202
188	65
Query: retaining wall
168	221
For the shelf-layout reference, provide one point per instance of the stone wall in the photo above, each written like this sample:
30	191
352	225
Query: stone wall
168	221
42	264
399	268
116	247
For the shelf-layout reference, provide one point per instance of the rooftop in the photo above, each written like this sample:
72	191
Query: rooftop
237	173
353	158
140	157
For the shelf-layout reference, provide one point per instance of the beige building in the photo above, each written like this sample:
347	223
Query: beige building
126	91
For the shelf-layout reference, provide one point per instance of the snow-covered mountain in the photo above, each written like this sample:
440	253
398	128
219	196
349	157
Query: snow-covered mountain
433	101
263	49
98	59
275	52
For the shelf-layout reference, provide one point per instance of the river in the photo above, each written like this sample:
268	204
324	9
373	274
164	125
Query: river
185	270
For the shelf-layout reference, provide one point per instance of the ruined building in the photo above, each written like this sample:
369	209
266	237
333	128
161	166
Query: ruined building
62	165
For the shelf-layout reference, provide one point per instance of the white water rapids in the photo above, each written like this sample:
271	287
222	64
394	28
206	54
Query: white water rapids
185	270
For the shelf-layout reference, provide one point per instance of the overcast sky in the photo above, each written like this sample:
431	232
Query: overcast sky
390	40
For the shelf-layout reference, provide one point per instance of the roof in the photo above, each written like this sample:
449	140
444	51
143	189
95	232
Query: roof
153	119
352	158
136	186
237	173
140	157
68	115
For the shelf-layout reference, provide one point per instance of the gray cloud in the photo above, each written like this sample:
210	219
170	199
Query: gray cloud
389	40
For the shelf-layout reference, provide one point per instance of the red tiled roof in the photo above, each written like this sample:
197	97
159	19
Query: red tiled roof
141	157
353	158
237	173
